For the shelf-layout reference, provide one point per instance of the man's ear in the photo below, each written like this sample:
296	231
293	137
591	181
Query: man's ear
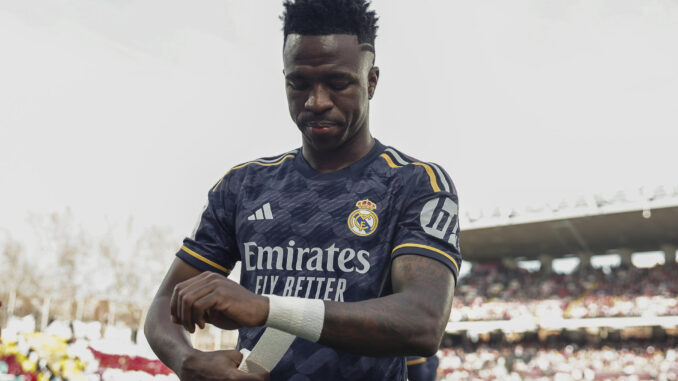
372	79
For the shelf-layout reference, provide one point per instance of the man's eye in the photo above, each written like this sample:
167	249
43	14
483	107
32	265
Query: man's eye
339	85
297	85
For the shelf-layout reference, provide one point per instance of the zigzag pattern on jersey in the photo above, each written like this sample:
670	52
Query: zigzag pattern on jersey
264	162
438	181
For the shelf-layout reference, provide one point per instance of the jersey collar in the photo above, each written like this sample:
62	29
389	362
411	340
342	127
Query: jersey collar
352	170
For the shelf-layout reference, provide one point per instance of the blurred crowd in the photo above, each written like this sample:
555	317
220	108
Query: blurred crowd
633	360
492	291
77	351
52	356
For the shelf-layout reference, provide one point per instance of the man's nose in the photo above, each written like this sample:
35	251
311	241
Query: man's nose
318	100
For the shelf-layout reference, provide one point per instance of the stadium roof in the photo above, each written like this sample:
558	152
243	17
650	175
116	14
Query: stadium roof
639	221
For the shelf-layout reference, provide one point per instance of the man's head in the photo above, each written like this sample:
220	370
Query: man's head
325	17
328	60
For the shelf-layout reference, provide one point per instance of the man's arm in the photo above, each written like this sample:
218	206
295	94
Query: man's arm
171	343
168	340
411	321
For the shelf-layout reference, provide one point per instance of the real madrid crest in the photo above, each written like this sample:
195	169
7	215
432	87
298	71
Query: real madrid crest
363	221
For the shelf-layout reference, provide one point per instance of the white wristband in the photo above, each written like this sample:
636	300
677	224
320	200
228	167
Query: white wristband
298	316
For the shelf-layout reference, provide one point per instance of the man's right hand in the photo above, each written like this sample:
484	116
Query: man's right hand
213	298
216	366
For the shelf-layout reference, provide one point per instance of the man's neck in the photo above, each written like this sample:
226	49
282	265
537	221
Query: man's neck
341	157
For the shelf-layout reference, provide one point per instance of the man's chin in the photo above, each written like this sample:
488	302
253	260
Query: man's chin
323	139
324	142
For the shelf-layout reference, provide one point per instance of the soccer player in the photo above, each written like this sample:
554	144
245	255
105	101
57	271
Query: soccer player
346	243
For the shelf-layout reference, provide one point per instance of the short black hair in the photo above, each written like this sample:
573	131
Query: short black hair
323	17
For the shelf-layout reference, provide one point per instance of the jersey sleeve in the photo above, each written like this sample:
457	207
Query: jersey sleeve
212	246
429	223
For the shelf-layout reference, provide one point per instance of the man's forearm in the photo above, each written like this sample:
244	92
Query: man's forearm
169	341
375	328
409	322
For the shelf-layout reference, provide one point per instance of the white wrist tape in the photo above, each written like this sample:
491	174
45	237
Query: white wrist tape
298	316
268	351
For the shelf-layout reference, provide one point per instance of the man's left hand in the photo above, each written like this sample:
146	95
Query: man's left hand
215	299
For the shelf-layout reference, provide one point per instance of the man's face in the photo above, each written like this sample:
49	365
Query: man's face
329	81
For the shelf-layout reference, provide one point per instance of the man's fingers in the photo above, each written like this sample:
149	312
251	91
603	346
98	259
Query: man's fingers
177	309
186	294
189	297
176	296
200	287
173	306
202	305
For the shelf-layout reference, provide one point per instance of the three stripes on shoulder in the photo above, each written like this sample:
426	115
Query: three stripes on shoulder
263	213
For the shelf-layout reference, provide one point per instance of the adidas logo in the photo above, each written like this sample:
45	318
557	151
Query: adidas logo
263	213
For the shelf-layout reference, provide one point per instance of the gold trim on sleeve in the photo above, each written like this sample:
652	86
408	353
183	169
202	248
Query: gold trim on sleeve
428	248
200	257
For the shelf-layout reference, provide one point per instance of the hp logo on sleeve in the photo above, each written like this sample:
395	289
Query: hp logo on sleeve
439	219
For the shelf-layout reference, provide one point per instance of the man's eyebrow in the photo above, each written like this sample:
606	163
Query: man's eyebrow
330	75
294	75
340	75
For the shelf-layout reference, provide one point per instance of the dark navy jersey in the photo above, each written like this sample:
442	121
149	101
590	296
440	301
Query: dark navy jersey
328	236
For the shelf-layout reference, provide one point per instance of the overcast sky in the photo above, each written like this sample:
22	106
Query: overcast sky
119	108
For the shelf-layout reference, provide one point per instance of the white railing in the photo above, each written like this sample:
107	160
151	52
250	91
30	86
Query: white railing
643	199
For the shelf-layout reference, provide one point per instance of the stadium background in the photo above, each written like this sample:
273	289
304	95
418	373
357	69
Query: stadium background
531	105
581	290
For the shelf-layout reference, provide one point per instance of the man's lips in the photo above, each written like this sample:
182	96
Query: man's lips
320	124
320	127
